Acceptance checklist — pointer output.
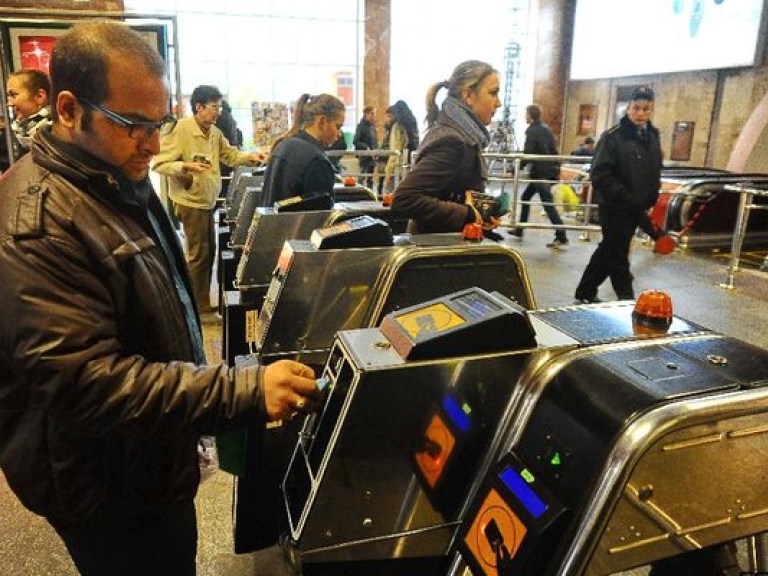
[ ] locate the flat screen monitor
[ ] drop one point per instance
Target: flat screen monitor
(620, 38)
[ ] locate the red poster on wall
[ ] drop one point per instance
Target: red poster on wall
(36, 51)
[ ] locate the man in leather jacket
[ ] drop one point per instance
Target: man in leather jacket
(104, 390)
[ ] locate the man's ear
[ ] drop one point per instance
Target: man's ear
(41, 97)
(67, 109)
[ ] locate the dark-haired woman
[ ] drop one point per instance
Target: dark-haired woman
(298, 164)
(436, 193)
(402, 136)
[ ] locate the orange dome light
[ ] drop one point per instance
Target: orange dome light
(653, 310)
(472, 232)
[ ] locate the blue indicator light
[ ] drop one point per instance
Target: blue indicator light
(523, 492)
(456, 413)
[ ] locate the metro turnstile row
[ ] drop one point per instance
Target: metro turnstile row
(602, 448)
(247, 268)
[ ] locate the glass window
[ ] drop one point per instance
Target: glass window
(267, 50)
(422, 54)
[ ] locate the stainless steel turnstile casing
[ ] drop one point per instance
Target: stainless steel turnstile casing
(267, 233)
(269, 230)
(316, 293)
(661, 440)
(661, 444)
(352, 492)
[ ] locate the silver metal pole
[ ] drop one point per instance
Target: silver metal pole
(742, 216)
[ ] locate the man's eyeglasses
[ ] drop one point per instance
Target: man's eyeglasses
(137, 130)
(218, 107)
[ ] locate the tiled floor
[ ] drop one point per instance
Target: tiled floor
(29, 547)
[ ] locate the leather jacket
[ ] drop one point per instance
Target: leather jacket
(102, 392)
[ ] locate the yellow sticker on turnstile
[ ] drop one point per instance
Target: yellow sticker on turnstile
(251, 318)
(429, 320)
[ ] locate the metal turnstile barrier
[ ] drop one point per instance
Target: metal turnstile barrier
(315, 293)
(267, 233)
(630, 452)
(602, 448)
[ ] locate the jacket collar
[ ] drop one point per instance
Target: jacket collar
(628, 128)
(304, 135)
(89, 173)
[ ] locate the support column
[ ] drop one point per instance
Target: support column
(377, 58)
(553, 36)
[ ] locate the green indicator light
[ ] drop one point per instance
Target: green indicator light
(555, 460)
(466, 408)
(527, 476)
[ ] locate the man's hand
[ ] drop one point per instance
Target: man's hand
(195, 167)
(289, 388)
(258, 157)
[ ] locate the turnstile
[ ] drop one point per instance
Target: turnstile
(315, 293)
(370, 445)
(602, 448)
(267, 233)
(622, 454)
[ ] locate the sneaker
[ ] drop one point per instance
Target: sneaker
(557, 242)
(517, 233)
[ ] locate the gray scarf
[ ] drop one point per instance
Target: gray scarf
(467, 120)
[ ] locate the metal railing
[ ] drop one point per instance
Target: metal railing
(381, 157)
(506, 172)
(746, 205)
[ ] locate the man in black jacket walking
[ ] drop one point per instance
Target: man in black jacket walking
(626, 175)
(539, 140)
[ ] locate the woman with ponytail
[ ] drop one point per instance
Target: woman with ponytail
(436, 193)
(298, 164)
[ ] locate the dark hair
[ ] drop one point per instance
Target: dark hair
(81, 58)
(534, 112)
(589, 140)
(368, 109)
(202, 95)
(307, 109)
(34, 80)
(403, 115)
(643, 93)
(467, 76)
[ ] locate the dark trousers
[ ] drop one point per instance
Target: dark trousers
(366, 171)
(160, 544)
(546, 199)
(611, 258)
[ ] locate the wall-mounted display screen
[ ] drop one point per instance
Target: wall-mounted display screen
(626, 38)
